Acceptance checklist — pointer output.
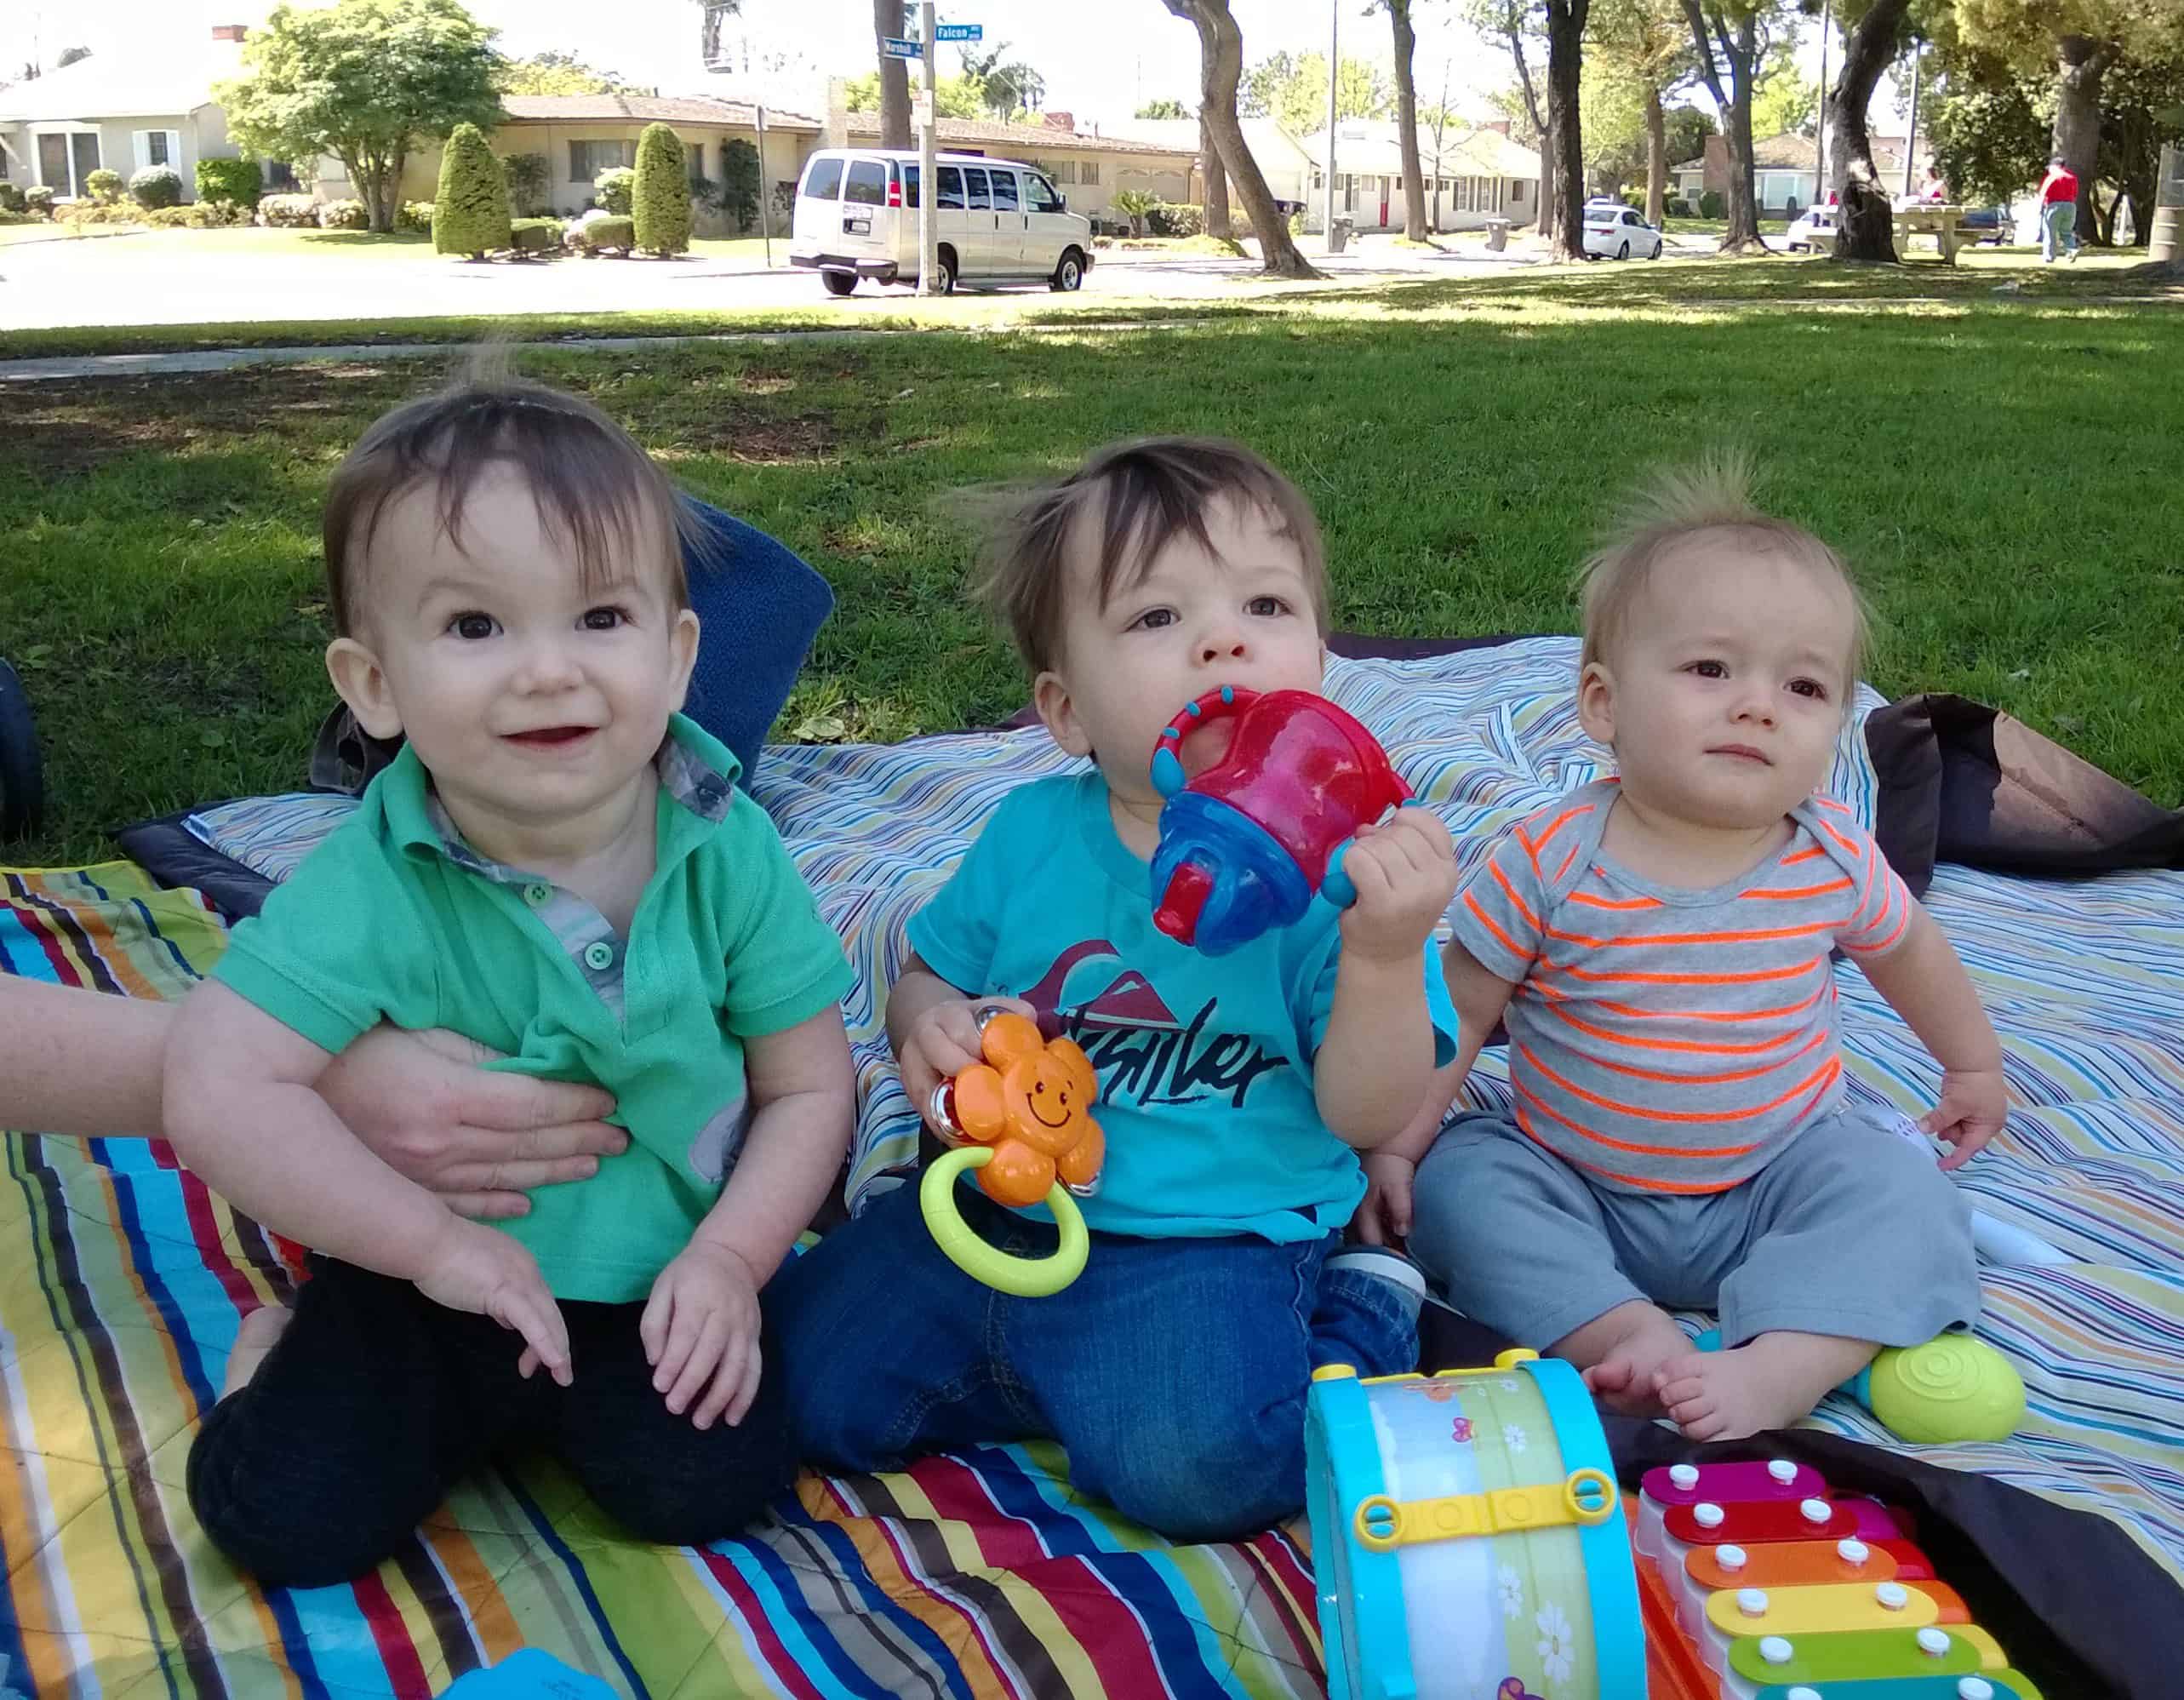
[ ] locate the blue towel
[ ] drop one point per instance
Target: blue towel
(760, 607)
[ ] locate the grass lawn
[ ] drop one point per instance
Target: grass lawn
(1997, 468)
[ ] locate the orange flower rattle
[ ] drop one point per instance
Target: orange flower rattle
(1026, 1113)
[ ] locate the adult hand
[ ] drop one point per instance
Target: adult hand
(425, 1106)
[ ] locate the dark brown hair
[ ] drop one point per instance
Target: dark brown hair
(596, 489)
(1135, 498)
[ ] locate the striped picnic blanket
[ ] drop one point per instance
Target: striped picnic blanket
(978, 1573)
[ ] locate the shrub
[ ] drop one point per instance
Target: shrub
(101, 212)
(344, 215)
(615, 190)
(416, 216)
(534, 236)
(597, 231)
(1136, 205)
(785, 202)
(236, 180)
(11, 197)
(288, 212)
(1171, 218)
(37, 199)
(739, 183)
(526, 176)
(156, 185)
(662, 200)
(106, 186)
(470, 213)
(8, 216)
(1712, 205)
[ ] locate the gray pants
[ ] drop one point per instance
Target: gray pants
(1853, 1231)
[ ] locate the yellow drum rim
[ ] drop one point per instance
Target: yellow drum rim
(1020, 1277)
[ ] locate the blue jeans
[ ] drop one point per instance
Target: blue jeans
(2058, 228)
(1174, 1372)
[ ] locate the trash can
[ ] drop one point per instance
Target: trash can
(1497, 235)
(2165, 230)
(1339, 233)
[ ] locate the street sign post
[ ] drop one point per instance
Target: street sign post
(897, 48)
(960, 32)
(929, 184)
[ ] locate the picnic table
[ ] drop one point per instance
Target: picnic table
(1943, 222)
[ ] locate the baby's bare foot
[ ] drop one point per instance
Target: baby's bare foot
(1627, 1349)
(254, 1339)
(1771, 1383)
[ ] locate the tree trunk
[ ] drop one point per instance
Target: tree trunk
(1513, 33)
(1565, 64)
(895, 76)
(1726, 64)
(1216, 190)
(1868, 226)
(2080, 63)
(1415, 223)
(1656, 156)
(1220, 67)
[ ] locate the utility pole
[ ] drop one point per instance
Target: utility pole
(765, 190)
(1819, 161)
(1334, 75)
(1910, 141)
(929, 180)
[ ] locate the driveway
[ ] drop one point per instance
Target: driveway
(189, 278)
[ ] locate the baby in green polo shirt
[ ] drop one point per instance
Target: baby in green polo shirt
(559, 866)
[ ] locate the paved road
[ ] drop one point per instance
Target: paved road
(188, 277)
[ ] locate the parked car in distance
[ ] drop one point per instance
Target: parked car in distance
(1813, 231)
(1613, 230)
(996, 222)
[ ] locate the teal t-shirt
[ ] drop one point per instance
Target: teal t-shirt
(394, 918)
(1204, 1062)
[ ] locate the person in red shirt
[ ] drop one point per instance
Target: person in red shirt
(2058, 211)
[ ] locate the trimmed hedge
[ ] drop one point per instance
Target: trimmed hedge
(11, 197)
(288, 212)
(238, 180)
(344, 215)
(662, 200)
(470, 213)
(534, 236)
(198, 215)
(106, 185)
(1712, 205)
(38, 198)
(597, 232)
(156, 185)
(1171, 218)
(416, 216)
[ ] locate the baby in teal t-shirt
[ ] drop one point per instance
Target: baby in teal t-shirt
(559, 866)
(1235, 1092)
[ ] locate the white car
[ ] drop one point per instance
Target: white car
(998, 220)
(1617, 231)
(1814, 230)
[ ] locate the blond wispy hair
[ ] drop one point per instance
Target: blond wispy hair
(1712, 499)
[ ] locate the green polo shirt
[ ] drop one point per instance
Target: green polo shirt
(395, 919)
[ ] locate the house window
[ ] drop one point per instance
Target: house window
(1517, 192)
(65, 158)
(1088, 171)
(158, 148)
(697, 160)
(588, 159)
(280, 175)
(1062, 170)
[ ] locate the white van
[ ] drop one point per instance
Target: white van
(856, 216)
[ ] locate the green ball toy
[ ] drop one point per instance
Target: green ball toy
(1952, 1388)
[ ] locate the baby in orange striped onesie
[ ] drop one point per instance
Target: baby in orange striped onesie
(1659, 945)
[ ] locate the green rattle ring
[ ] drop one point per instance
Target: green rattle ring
(1023, 1277)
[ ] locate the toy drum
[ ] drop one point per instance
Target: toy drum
(1467, 1537)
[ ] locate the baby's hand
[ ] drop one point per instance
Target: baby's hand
(1974, 1103)
(944, 1043)
(1384, 1214)
(1404, 870)
(702, 1323)
(483, 1271)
